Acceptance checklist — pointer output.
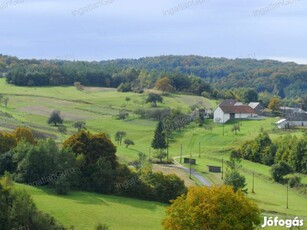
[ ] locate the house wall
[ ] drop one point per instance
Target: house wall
(292, 124)
(244, 115)
(297, 123)
(259, 109)
(219, 114)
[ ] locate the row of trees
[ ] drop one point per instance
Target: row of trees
(276, 78)
(210, 77)
(86, 162)
(288, 152)
(82, 74)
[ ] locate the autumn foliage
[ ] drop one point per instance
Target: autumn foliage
(164, 84)
(24, 133)
(10, 140)
(217, 207)
(92, 146)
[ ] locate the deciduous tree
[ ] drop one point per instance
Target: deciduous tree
(217, 207)
(164, 84)
(274, 104)
(119, 135)
(55, 118)
(128, 142)
(153, 99)
(79, 125)
(24, 134)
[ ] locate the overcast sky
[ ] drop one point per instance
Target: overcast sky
(109, 29)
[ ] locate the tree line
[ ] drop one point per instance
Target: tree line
(214, 77)
(86, 162)
(286, 155)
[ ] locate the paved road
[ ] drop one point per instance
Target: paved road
(198, 176)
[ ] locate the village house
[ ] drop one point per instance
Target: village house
(293, 120)
(231, 109)
(257, 107)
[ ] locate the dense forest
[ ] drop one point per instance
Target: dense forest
(192, 74)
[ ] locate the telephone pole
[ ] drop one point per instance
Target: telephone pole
(180, 153)
(190, 165)
(253, 191)
(222, 168)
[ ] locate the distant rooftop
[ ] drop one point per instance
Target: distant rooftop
(254, 104)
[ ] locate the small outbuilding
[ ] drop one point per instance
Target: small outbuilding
(215, 169)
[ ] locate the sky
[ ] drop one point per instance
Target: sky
(111, 29)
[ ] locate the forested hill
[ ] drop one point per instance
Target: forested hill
(277, 78)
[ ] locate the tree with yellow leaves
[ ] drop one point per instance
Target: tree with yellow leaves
(164, 84)
(25, 134)
(217, 207)
(7, 142)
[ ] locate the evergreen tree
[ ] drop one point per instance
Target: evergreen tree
(159, 141)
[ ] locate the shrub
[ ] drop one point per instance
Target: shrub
(279, 170)
(295, 181)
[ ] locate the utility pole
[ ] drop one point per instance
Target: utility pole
(180, 153)
(287, 195)
(223, 125)
(253, 191)
(149, 154)
(190, 165)
(167, 146)
(222, 168)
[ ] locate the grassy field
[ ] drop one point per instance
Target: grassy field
(99, 107)
(85, 210)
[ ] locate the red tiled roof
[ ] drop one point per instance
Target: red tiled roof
(238, 109)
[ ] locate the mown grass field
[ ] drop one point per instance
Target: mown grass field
(85, 210)
(99, 107)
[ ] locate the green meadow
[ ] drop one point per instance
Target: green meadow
(85, 211)
(98, 107)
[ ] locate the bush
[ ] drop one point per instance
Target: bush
(18, 211)
(122, 115)
(102, 227)
(236, 180)
(6, 163)
(279, 170)
(295, 181)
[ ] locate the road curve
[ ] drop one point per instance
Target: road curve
(197, 175)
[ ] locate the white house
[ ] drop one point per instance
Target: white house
(223, 113)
